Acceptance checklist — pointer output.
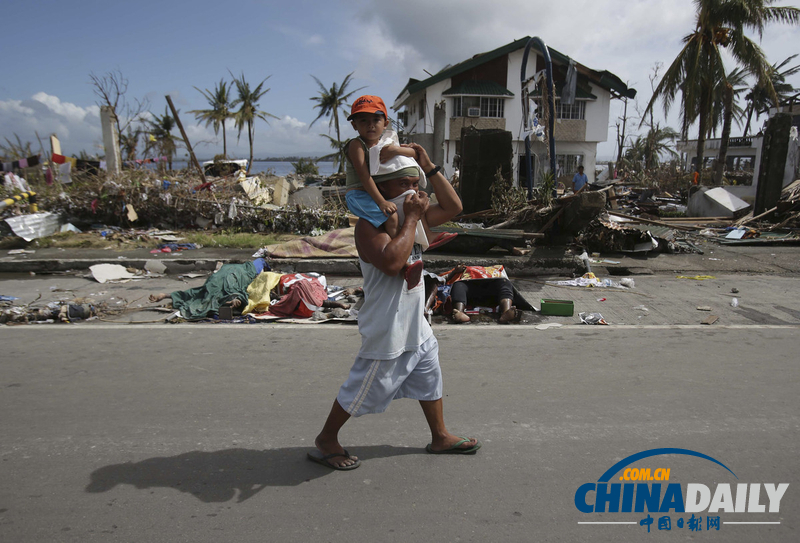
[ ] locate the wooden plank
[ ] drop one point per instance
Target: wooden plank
(552, 220)
(744, 220)
(649, 221)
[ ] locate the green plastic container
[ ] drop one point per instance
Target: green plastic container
(562, 308)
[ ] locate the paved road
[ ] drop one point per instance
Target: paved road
(199, 433)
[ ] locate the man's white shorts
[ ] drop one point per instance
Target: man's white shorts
(373, 384)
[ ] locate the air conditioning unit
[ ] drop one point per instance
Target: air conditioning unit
(474, 112)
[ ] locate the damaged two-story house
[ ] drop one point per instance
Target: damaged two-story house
(484, 92)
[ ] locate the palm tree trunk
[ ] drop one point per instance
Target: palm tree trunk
(224, 141)
(750, 108)
(339, 139)
(727, 115)
(250, 137)
(701, 136)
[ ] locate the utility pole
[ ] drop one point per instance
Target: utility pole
(185, 138)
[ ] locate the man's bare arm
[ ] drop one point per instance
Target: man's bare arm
(449, 204)
(379, 249)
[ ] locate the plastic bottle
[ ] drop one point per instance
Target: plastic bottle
(735, 302)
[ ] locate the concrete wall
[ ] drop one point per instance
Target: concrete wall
(711, 150)
(597, 112)
(457, 123)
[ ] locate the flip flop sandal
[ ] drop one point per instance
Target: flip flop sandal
(456, 448)
(317, 456)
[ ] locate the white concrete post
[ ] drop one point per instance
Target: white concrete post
(110, 139)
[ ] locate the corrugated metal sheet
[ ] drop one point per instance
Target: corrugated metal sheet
(35, 225)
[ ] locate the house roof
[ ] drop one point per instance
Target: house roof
(603, 78)
(580, 92)
(478, 88)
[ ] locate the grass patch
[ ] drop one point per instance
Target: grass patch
(126, 241)
(234, 240)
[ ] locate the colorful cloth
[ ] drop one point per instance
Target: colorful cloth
(21, 164)
(482, 272)
(228, 283)
(258, 293)
(335, 244)
(302, 297)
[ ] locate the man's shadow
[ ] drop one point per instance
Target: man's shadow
(216, 476)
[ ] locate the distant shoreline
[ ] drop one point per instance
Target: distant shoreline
(276, 159)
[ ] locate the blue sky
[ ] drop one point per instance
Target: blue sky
(170, 47)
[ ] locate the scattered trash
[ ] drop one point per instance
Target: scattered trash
(4, 298)
(735, 290)
(601, 299)
(21, 252)
(734, 302)
(627, 282)
(548, 325)
(703, 308)
(132, 216)
(711, 319)
(736, 234)
(105, 273)
(155, 266)
(641, 308)
(69, 227)
(592, 318)
(696, 277)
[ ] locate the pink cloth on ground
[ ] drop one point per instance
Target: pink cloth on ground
(301, 300)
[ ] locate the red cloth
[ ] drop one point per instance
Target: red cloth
(301, 299)
(58, 159)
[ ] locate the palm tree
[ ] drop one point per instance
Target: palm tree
(646, 151)
(657, 142)
(161, 137)
(758, 99)
(220, 111)
(128, 142)
(698, 68)
(730, 110)
(337, 155)
(329, 102)
(248, 111)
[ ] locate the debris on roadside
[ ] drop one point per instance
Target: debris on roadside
(592, 318)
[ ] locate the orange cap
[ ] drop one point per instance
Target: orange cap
(368, 104)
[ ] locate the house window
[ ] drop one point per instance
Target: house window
(577, 110)
(457, 107)
(568, 164)
(492, 107)
(422, 109)
(566, 111)
(488, 107)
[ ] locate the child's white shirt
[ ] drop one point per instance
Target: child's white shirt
(395, 163)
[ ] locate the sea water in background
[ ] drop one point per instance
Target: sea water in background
(259, 166)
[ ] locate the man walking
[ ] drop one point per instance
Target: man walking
(399, 355)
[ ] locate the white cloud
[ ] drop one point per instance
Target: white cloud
(77, 127)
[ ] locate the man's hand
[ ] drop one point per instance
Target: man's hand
(416, 205)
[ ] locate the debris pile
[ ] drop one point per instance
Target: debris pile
(182, 200)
